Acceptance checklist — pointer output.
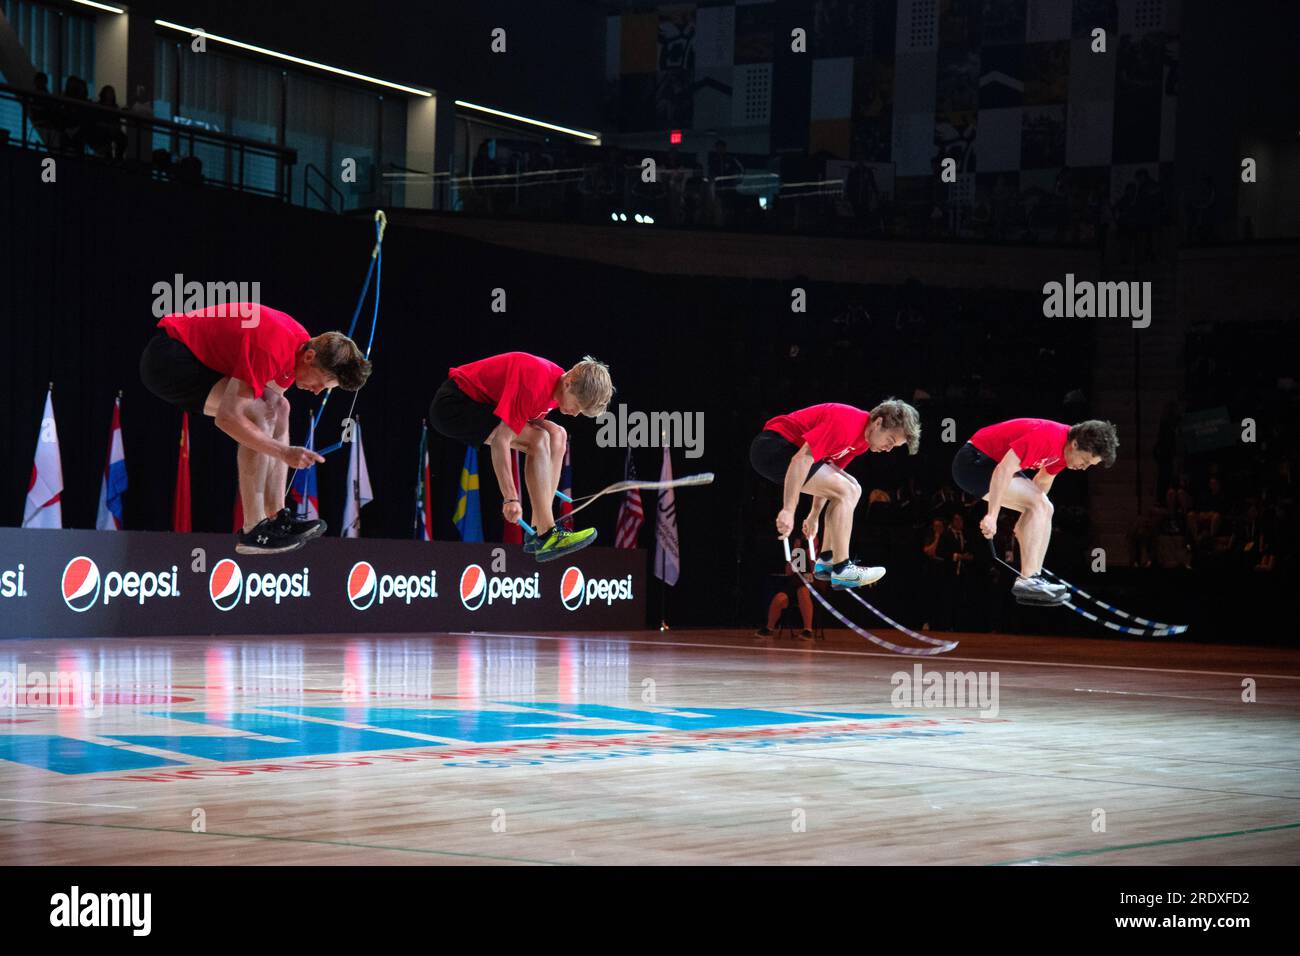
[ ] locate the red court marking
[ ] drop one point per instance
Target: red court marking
(131, 697)
(328, 690)
(17, 720)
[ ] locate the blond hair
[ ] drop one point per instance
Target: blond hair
(893, 414)
(591, 385)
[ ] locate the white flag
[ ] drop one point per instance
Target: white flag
(45, 489)
(668, 565)
(359, 493)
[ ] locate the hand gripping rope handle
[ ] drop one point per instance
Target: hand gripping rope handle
(940, 648)
(1151, 629)
(376, 271)
(704, 478)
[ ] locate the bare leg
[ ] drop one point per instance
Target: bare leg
(1034, 528)
(559, 444)
(842, 493)
(253, 469)
(779, 603)
(277, 472)
(1034, 531)
(539, 476)
(806, 609)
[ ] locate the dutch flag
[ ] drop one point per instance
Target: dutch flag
(114, 484)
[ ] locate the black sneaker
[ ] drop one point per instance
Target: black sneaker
(306, 528)
(267, 537)
(764, 632)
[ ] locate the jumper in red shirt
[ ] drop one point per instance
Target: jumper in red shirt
(833, 432)
(258, 349)
(1037, 442)
(519, 386)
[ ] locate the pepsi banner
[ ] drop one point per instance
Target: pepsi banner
(141, 583)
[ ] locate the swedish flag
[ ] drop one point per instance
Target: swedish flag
(467, 519)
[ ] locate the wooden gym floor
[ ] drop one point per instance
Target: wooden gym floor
(688, 747)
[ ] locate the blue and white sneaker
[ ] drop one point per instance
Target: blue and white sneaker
(854, 576)
(822, 570)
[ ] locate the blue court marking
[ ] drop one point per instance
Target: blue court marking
(68, 755)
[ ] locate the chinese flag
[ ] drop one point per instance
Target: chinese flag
(181, 500)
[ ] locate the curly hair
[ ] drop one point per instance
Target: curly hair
(892, 413)
(1096, 438)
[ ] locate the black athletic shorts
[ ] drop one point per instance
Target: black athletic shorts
(972, 470)
(172, 372)
(770, 455)
(456, 415)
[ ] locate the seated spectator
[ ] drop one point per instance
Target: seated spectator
(139, 136)
(791, 589)
(104, 134)
(74, 120)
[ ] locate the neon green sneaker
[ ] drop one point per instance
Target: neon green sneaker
(560, 542)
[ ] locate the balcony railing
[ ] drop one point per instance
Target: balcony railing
(166, 150)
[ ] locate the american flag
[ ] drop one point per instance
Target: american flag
(630, 514)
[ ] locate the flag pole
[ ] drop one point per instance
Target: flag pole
(663, 585)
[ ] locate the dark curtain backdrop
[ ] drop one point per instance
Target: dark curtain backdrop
(79, 258)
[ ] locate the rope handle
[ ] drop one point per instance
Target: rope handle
(382, 221)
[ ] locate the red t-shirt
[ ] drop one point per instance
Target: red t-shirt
(519, 386)
(833, 432)
(1037, 442)
(262, 352)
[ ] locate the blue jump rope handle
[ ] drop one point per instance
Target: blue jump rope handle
(562, 496)
(334, 447)
(526, 526)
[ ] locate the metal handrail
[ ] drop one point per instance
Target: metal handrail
(144, 125)
(309, 190)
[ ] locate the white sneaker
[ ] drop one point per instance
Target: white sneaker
(1038, 590)
(854, 576)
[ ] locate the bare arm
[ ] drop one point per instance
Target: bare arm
(500, 441)
(1001, 481)
(796, 475)
(232, 418)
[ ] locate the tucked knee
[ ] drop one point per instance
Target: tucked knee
(537, 440)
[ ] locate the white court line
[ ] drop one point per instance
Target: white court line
(61, 803)
(812, 650)
(1134, 693)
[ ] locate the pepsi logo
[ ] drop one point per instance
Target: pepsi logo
(573, 589)
(473, 587)
(81, 584)
(362, 585)
(577, 590)
(225, 584)
(478, 587)
(367, 586)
